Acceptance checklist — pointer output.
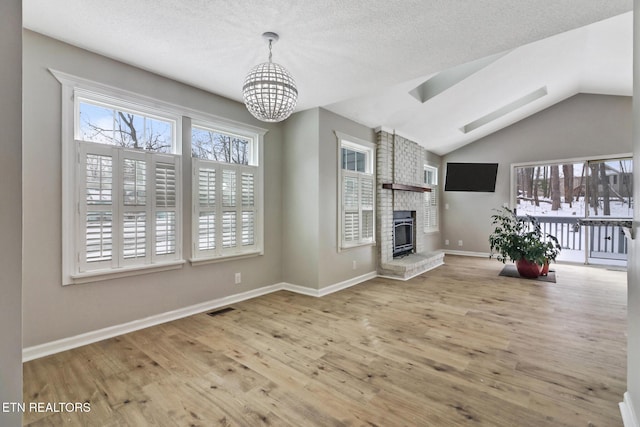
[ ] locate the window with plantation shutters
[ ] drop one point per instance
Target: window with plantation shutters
(127, 207)
(121, 175)
(356, 192)
(122, 184)
(225, 185)
(431, 199)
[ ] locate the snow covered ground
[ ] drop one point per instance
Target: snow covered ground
(618, 209)
(577, 254)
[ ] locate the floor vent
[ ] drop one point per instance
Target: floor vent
(221, 311)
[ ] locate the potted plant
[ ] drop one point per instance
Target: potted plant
(521, 240)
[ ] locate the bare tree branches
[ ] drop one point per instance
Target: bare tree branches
(123, 129)
(210, 145)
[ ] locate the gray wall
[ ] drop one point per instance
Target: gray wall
(10, 207)
(337, 266)
(300, 205)
(581, 126)
(52, 311)
(300, 197)
(633, 273)
(310, 251)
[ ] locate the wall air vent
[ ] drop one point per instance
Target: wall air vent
(504, 110)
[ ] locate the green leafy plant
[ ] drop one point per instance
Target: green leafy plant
(516, 238)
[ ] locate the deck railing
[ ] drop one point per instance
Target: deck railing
(605, 241)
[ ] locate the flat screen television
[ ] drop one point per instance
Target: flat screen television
(479, 177)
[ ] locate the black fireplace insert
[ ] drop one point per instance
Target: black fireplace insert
(403, 235)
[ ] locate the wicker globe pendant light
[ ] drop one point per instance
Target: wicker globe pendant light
(269, 91)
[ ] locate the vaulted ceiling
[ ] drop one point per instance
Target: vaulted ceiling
(441, 73)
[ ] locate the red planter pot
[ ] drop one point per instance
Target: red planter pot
(545, 269)
(528, 269)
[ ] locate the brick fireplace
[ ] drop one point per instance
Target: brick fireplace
(400, 183)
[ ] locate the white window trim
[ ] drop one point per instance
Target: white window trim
(435, 188)
(214, 260)
(107, 274)
(117, 96)
(73, 86)
(256, 136)
(348, 141)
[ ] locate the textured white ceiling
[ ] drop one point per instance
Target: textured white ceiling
(591, 59)
(337, 50)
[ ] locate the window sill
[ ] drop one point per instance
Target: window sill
(223, 258)
(355, 246)
(117, 273)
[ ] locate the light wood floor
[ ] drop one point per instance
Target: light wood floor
(456, 346)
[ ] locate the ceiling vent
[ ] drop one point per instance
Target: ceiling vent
(504, 110)
(450, 77)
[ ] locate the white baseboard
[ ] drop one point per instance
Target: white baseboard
(347, 283)
(629, 418)
(46, 349)
(331, 288)
(467, 253)
(303, 290)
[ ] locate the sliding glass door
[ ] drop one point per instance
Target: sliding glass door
(610, 196)
(559, 194)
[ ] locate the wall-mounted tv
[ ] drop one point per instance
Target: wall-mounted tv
(479, 177)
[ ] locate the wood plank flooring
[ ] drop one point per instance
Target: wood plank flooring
(456, 346)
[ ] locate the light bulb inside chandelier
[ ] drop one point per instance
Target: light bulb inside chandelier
(269, 91)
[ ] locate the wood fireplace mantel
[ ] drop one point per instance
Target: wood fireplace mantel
(404, 187)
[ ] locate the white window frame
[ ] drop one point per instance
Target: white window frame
(255, 136)
(73, 269)
(369, 149)
(431, 200)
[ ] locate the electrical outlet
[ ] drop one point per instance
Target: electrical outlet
(446, 242)
(459, 242)
(238, 278)
(446, 205)
(355, 264)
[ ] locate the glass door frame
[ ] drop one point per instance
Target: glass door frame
(585, 160)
